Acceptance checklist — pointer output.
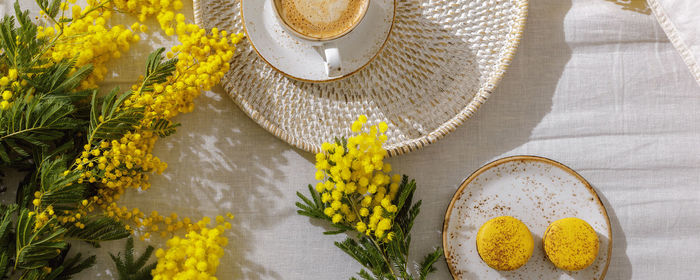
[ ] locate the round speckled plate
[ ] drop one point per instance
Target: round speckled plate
(535, 190)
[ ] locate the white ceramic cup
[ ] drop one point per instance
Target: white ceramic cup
(326, 46)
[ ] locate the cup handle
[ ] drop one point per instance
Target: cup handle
(333, 62)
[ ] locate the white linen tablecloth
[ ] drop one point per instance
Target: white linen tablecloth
(594, 85)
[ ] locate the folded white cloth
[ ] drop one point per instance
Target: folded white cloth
(680, 20)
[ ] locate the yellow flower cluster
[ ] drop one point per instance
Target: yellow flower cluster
(355, 184)
(43, 216)
(145, 9)
(194, 257)
(202, 63)
(153, 223)
(65, 217)
(8, 85)
(115, 166)
(126, 163)
(88, 39)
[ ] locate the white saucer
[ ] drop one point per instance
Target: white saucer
(300, 60)
(535, 190)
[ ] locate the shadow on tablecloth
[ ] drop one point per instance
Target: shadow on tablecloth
(620, 265)
(218, 163)
(503, 124)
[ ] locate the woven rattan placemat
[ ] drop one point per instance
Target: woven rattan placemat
(442, 60)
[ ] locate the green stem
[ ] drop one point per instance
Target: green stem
(101, 5)
(20, 132)
(376, 244)
(46, 47)
(139, 91)
(386, 260)
(53, 41)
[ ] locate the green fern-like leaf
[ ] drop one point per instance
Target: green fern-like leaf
(426, 266)
(157, 68)
(5, 266)
(61, 267)
(22, 49)
(58, 189)
(70, 266)
(164, 127)
(22, 16)
(109, 121)
(34, 274)
(97, 229)
(6, 234)
(36, 246)
(130, 269)
(311, 207)
(60, 79)
(51, 8)
(8, 33)
(50, 119)
(33, 123)
(381, 259)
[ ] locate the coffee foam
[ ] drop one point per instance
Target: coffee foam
(321, 18)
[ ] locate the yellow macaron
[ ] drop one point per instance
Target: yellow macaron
(504, 243)
(571, 244)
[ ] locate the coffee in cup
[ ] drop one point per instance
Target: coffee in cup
(321, 19)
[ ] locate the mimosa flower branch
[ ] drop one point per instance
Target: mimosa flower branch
(82, 146)
(357, 196)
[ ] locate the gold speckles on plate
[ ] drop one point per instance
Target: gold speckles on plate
(536, 191)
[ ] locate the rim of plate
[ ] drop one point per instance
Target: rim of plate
(500, 161)
(381, 48)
